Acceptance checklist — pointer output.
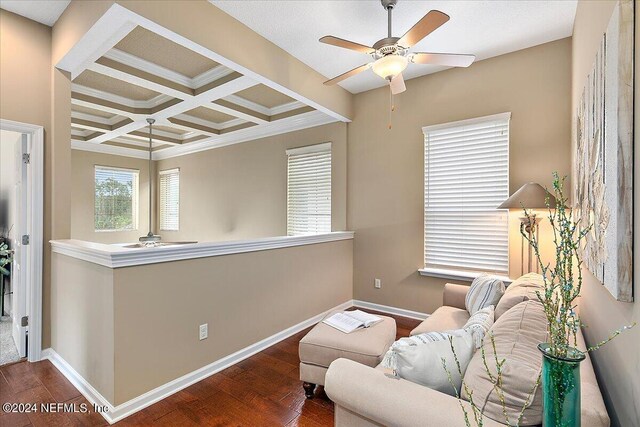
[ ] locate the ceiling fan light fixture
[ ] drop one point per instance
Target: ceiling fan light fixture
(390, 66)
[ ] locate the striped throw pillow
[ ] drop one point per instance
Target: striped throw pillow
(484, 291)
(479, 324)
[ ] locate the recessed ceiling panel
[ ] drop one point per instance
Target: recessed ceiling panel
(209, 115)
(108, 84)
(154, 48)
(92, 111)
(265, 96)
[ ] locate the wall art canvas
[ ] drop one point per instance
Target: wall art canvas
(604, 158)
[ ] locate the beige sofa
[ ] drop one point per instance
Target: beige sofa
(366, 396)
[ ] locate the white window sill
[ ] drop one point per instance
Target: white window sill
(463, 276)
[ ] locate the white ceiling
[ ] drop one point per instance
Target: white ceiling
(45, 12)
(484, 28)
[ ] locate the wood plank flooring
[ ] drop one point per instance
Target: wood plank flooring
(263, 390)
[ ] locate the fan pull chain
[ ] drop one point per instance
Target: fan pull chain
(391, 106)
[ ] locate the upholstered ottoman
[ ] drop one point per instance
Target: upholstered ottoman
(324, 344)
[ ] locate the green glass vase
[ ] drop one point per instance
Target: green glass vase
(560, 387)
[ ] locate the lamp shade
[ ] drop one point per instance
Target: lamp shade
(529, 196)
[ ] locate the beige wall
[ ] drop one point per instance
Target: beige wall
(25, 96)
(244, 298)
(385, 185)
(617, 364)
(82, 330)
(240, 191)
(82, 203)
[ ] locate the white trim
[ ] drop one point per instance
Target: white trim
(109, 149)
(307, 149)
(391, 310)
(464, 276)
(284, 108)
(36, 191)
(235, 99)
(499, 116)
(289, 124)
(169, 171)
(116, 256)
(210, 76)
(117, 99)
(118, 21)
(136, 404)
(149, 67)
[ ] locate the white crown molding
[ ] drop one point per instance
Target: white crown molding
(108, 149)
(92, 118)
(289, 124)
(148, 67)
(207, 123)
(136, 404)
(116, 256)
(284, 108)
(235, 99)
(209, 76)
(95, 93)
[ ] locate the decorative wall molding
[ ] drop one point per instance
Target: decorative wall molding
(115, 256)
(136, 404)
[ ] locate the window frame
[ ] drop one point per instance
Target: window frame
(162, 173)
(454, 272)
(135, 199)
(325, 147)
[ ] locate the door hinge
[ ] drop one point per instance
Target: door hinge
(25, 239)
(24, 321)
(26, 158)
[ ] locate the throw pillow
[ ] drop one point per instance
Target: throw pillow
(479, 324)
(522, 289)
(516, 335)
(389, 360)
(485, 290)
(419, 359)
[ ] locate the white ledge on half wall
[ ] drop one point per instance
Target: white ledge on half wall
(462, 276)
(115, 256)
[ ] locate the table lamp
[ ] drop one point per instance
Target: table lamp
(528, 197)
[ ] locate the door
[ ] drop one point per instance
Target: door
(19, 269)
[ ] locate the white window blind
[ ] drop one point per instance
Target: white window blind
(309, 190)
(466, 176)
(116, 199)
(170, 200)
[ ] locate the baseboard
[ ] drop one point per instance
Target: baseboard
(123, 410)
(391, 310)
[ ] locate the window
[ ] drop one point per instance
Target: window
(116, 199)
(170, 200)
(466, 176)
(309, 190)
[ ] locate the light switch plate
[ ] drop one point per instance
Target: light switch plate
(377, 283)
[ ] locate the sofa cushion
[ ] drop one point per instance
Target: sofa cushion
(324, 344)
(444, 318)
(522, 289)
(479, 324)
(485, 290)
(516, 334)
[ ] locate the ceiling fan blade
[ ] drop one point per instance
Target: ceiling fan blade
(397, 84)
(448, 59)
(346, 75)
(428, 24)
(346, 44)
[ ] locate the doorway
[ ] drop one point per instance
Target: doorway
(21, 195)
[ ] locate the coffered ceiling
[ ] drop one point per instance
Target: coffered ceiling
(192, 98)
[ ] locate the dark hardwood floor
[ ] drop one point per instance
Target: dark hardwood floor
(263, 390)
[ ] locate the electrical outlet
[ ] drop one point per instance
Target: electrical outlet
(204, 331)
(377, 283)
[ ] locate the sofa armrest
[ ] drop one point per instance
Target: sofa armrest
(454, 295)
(375, 396)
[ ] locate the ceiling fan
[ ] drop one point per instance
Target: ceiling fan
(391, 54)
